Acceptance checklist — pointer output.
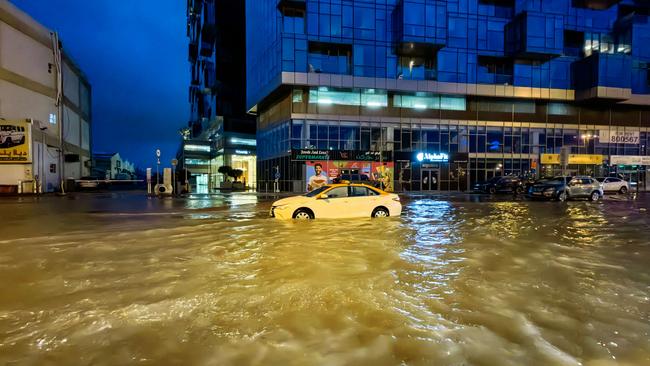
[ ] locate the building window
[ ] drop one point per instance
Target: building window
(426, 101)
(416, 68)
(495, 70)
(368, 98)
(573, 43)
(331, 58)
(293, 21)
(52, 118)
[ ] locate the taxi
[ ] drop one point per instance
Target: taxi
(342, 200)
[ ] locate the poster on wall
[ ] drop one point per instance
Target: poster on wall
(322, 172)
(15, 142)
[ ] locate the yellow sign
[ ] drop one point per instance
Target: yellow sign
(576, 159)
(551, 159)
(15, 142)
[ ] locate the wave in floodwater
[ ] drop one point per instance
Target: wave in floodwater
(448, 283)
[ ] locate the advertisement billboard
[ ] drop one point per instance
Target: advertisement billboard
(15, 142)
(321, 172)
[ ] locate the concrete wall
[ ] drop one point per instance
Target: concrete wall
(71, 127)
(26, 57)
(70, 84)
(17, 102)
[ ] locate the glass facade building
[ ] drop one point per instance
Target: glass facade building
(217, 95)
(435, 95)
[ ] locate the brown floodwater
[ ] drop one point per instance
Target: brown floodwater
(109, 280)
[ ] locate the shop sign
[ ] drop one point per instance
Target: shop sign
(432, 157)
(15, 142)
(309, 154)
(346, 155)
(577, 159)
(629, 160)
(619, 137)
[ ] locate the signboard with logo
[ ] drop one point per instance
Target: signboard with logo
(629, 160)
(619, 137)
(319, 173)
(351, 155)
(577, 159)
(15, 142)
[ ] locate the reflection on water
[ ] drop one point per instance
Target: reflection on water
(459, 283)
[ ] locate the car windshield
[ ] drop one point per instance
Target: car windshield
(494, 179)
(316, 191)
(600, 179)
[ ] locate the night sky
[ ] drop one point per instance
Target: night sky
(134, 54)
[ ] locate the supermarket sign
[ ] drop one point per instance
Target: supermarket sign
(619, 137)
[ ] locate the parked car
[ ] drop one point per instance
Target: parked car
(500, 184)
(613, 184)
(564, 188)
(338, 201)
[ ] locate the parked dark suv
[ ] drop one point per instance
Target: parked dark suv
(564, 188)
(500, 184)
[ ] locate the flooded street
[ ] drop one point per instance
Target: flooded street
(120, 279)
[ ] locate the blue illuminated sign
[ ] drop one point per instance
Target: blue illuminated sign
(432, 157)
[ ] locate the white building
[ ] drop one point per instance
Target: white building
(112, 166)
(41, 86)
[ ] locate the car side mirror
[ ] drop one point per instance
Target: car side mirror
(323, 196)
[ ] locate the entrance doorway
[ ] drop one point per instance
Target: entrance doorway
(430, 180)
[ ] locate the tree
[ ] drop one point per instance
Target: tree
(236, 173)
(226, 171)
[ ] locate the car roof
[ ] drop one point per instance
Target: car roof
(354, 185)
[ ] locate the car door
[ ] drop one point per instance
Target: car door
(334, 206)
(360, 201)
(574, 187)
(608, 184)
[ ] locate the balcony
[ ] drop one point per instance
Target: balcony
(603, 76)
(536, 36)
(413, 25)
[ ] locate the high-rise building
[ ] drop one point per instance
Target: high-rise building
(45, 108)
(219, 121)
(438, 94)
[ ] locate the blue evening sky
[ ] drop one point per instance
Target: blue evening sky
(134, 54)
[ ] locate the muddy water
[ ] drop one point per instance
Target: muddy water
(452, 282)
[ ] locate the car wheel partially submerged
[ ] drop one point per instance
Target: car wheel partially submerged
(380, 212)
(595, 196)
(623, 190)
(562, 196)
(302, 214)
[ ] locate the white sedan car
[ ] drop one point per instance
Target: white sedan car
(612, 184)
(338, 201)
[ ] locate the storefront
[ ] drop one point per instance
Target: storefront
(432, 171)
(320, 167)
(576, 164)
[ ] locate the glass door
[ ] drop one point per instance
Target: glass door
(430, 180)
